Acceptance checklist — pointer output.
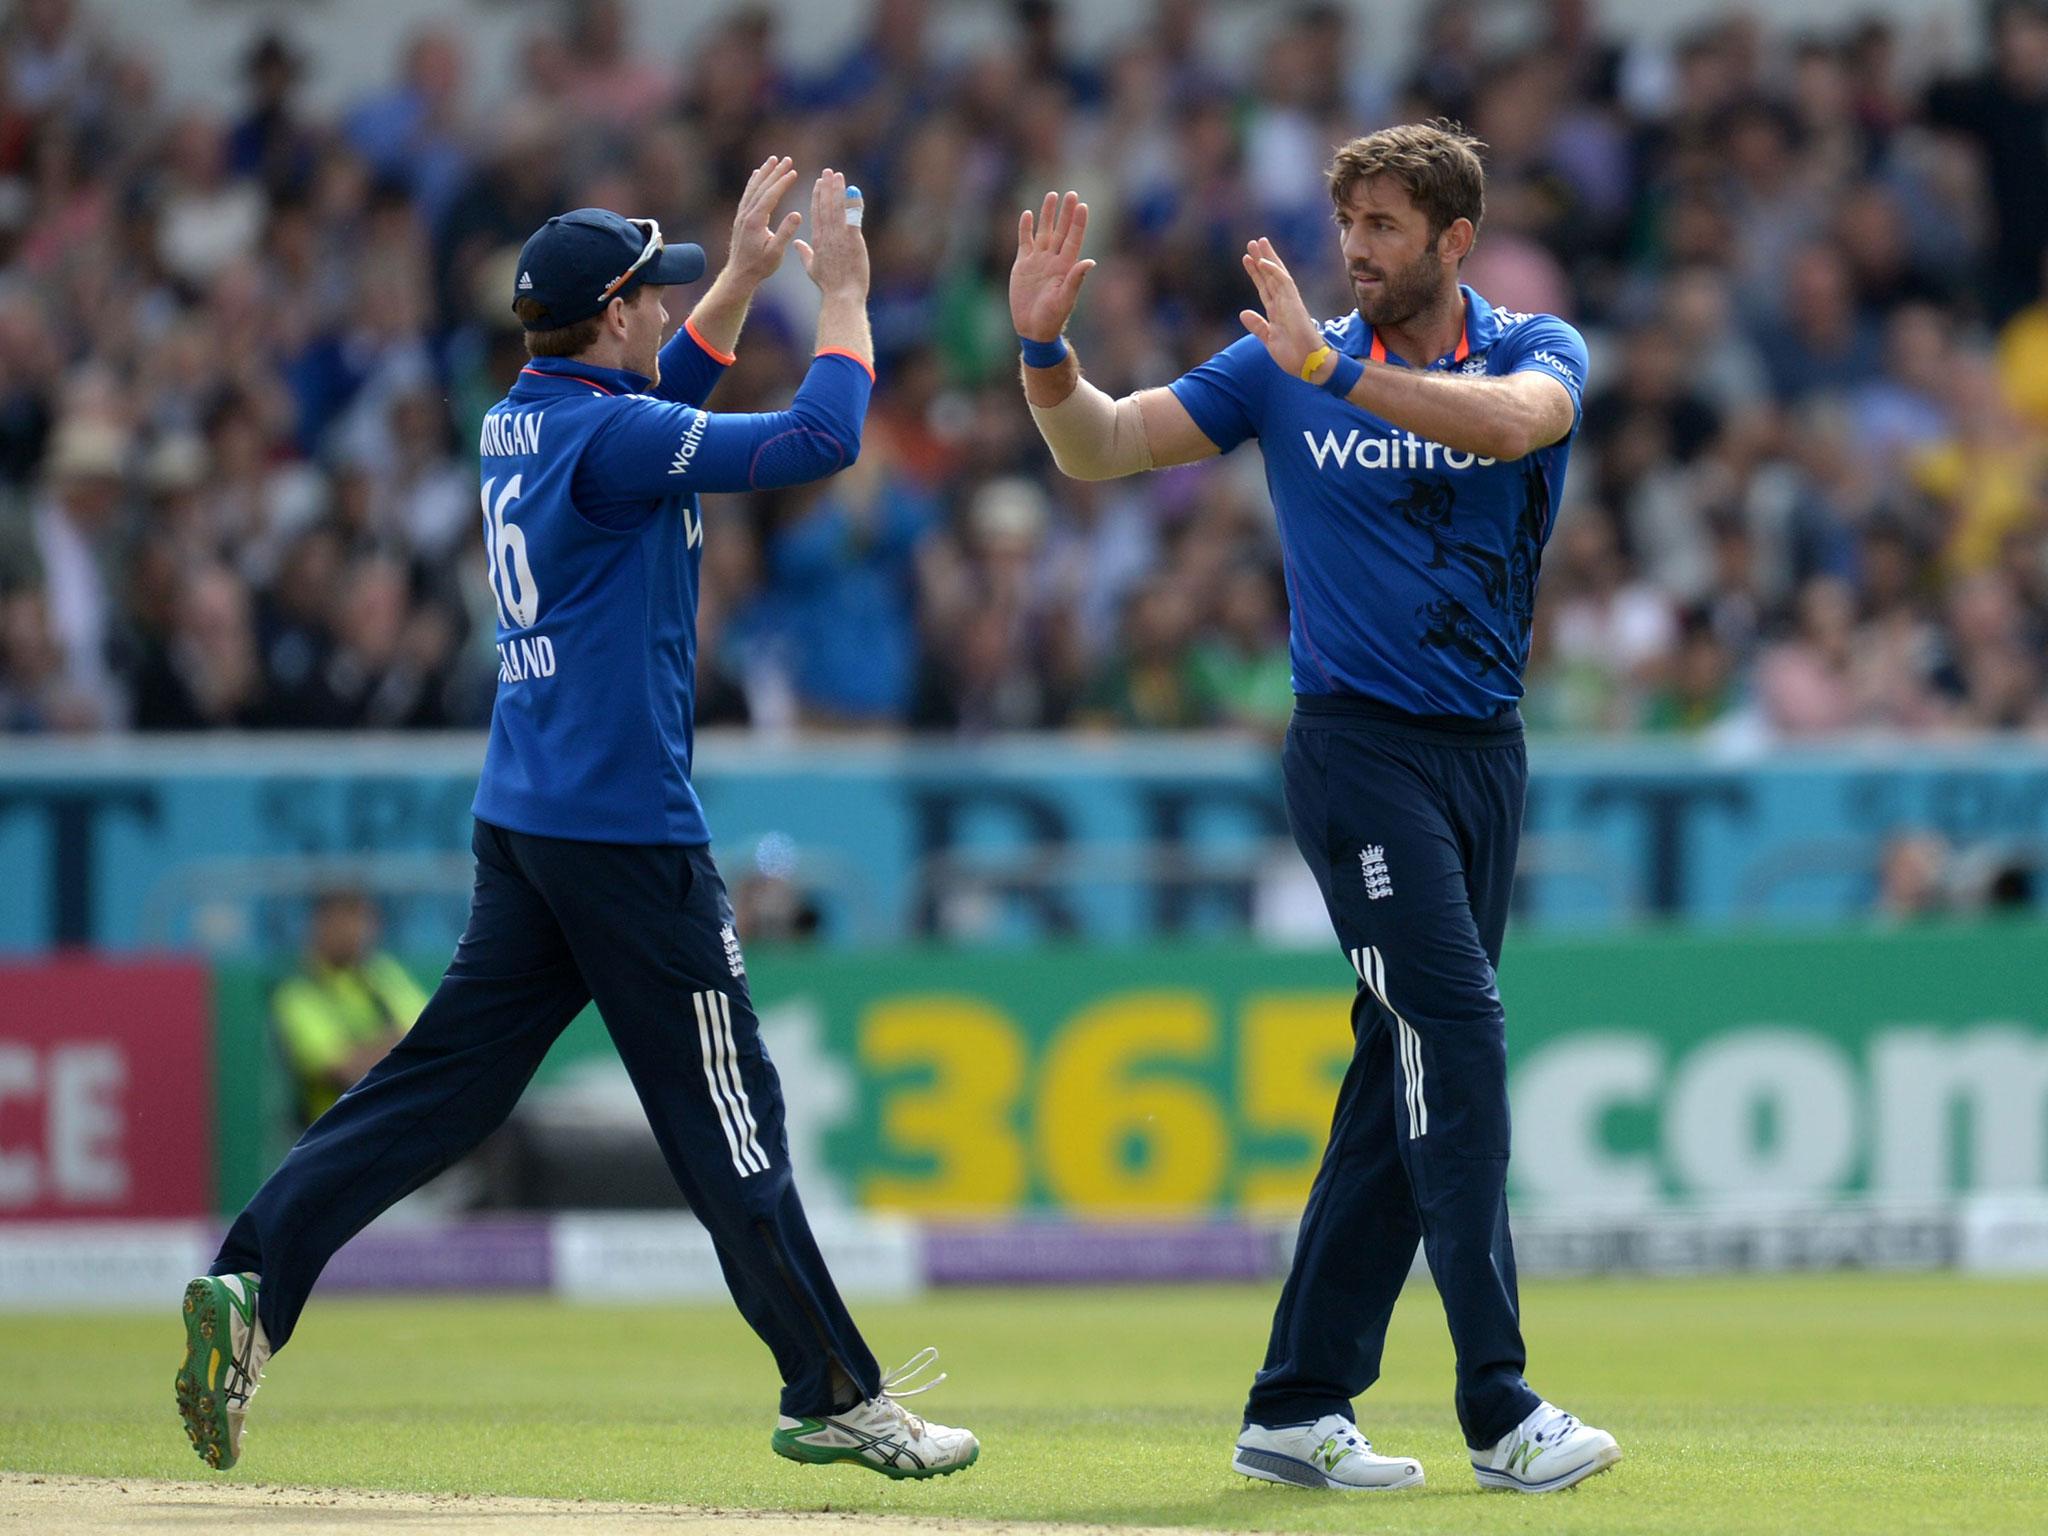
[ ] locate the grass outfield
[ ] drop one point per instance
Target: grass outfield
(1806, 1404)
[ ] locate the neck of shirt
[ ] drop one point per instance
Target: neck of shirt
(1379, 352)
(612, 381)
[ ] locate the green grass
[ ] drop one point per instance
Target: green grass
(1801, 1405)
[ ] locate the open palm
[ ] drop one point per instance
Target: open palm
(1287, 328)
(1046, 279)
(757, 242)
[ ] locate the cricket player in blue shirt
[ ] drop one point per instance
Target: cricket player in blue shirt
(594, 880)
(1415, 451)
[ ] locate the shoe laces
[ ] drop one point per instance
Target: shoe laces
(1555, 1428)
(1347, 1435)
(245, 1370)
(897, 1385)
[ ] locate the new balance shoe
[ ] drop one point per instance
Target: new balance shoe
(1547, 1451)
(881, 1433)
(1329, 1453)
(225, 1352)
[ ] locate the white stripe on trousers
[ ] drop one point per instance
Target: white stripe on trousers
(738, 1087)
(1372, 970)
(722, 1072)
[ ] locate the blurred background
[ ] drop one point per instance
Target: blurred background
(991, 755)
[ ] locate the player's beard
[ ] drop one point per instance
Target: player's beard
(1402, 294)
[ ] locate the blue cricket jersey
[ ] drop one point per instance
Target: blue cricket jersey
(1411, 570)
(594, 536)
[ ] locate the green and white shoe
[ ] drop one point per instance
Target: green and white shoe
(1547, 1451)
(225, 1352)
(1329, 1453)
(881, 1433)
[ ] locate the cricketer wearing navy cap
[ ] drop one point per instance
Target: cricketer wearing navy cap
(576, 263)
(594, 879)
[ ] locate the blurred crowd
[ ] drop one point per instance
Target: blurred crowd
(244, 351)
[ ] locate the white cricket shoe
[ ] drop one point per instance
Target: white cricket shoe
(881, 1433)
(1329, 1453)
(1547, 1451)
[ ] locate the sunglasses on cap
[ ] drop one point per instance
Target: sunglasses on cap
(648, 252)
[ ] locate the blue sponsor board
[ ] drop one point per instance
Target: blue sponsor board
(215, 843)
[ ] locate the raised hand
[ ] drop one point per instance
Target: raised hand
(838, 263)
(1288, 330)
(757, 247)
(1046, 278)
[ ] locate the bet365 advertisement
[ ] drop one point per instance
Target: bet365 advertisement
(1645, 1072)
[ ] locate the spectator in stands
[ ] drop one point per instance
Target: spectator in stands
(1819, 342)
(1699, 688)
(1898, 647)
(1992, 675)
(29, 368)
(770, 902)
(1721, 362)
(1777, 199)
(206, 671)
(1807, 682)
(1906, 410)
(272, 142)
(609, 80)
(74, 531)
(1782, 240)
(1612, 635)
(1241, 667)
(841, 586)
(413, 134)
(890, 70)
(1912, 878)
(206, 218)
(2023, 358)
(346, 1006)
(386, 669)
(55, 64)
(294, 630)
(1149, 683)
(1987, 473)
(2003, 112)
(34, 696)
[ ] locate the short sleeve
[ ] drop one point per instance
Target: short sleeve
(1226, 396)
(1545, 344)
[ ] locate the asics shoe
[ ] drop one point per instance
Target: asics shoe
(881, 1433)
(225, 1352)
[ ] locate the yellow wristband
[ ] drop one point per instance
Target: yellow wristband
(1315, 361)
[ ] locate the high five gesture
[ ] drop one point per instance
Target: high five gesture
(1046, 279)
(1288, 330)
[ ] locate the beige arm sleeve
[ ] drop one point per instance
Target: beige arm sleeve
(1093, 437)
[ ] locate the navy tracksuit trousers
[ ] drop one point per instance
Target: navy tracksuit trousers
(647, 932)
(1411, 827)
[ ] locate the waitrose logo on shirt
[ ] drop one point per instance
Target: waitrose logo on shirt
(1357, 449)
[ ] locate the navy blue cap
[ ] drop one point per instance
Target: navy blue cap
(576, 263)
